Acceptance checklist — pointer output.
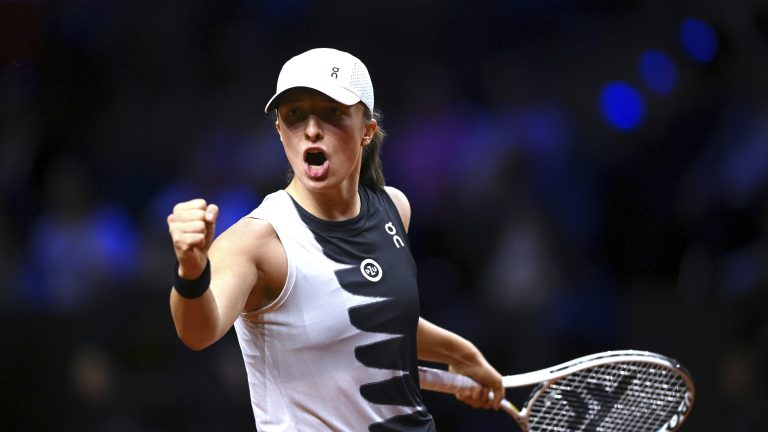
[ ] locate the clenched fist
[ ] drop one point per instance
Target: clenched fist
(192, 226)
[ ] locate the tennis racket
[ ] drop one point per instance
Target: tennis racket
(629, 391)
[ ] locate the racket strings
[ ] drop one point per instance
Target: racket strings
(630, 396)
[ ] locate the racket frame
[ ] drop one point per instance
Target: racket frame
(449, 382)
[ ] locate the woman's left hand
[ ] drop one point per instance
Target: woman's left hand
(482, 372)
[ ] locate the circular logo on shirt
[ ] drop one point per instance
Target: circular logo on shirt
(371, 270)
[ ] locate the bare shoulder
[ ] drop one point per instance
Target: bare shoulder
(242, 236)
(250, 245)
(251, 252)
(402, 204)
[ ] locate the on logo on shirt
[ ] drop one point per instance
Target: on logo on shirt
(391, 230)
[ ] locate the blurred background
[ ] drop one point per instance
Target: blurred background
(584, 176)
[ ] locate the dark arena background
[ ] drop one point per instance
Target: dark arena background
(584, 176)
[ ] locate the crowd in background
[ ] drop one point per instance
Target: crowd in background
(541, 230)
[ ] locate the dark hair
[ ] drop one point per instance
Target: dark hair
(371, 172)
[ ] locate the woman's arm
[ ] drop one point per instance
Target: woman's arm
(235, 258)
(436, 344)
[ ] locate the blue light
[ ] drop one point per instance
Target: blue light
(622, 105)
(659, 71)
(699, 40)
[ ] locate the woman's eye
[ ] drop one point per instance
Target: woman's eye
(334, 111)
(293, 112)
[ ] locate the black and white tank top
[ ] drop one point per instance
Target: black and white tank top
(336, 351)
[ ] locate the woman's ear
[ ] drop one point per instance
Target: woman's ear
(370, 129)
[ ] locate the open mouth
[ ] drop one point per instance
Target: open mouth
(316, 167)
(315, 158)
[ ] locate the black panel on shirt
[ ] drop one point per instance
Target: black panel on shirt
(351, 242)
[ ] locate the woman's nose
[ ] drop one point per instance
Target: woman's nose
(313, 130)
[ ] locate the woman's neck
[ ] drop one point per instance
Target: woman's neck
(337, 205)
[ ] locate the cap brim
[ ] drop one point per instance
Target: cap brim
(342, 95)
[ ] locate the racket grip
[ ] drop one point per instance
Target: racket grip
(444, 381)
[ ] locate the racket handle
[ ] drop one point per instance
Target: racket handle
(448, 382)
(445, 381)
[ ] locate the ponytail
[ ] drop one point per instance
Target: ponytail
(371, 172)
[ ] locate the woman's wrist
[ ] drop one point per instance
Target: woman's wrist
(192, 289)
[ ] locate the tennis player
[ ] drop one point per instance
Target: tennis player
(319, 281)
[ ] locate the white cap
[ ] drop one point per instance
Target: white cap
(338, 74)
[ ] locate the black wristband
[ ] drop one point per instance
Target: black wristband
(192, 289)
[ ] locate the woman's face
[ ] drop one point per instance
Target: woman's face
(323, 138)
